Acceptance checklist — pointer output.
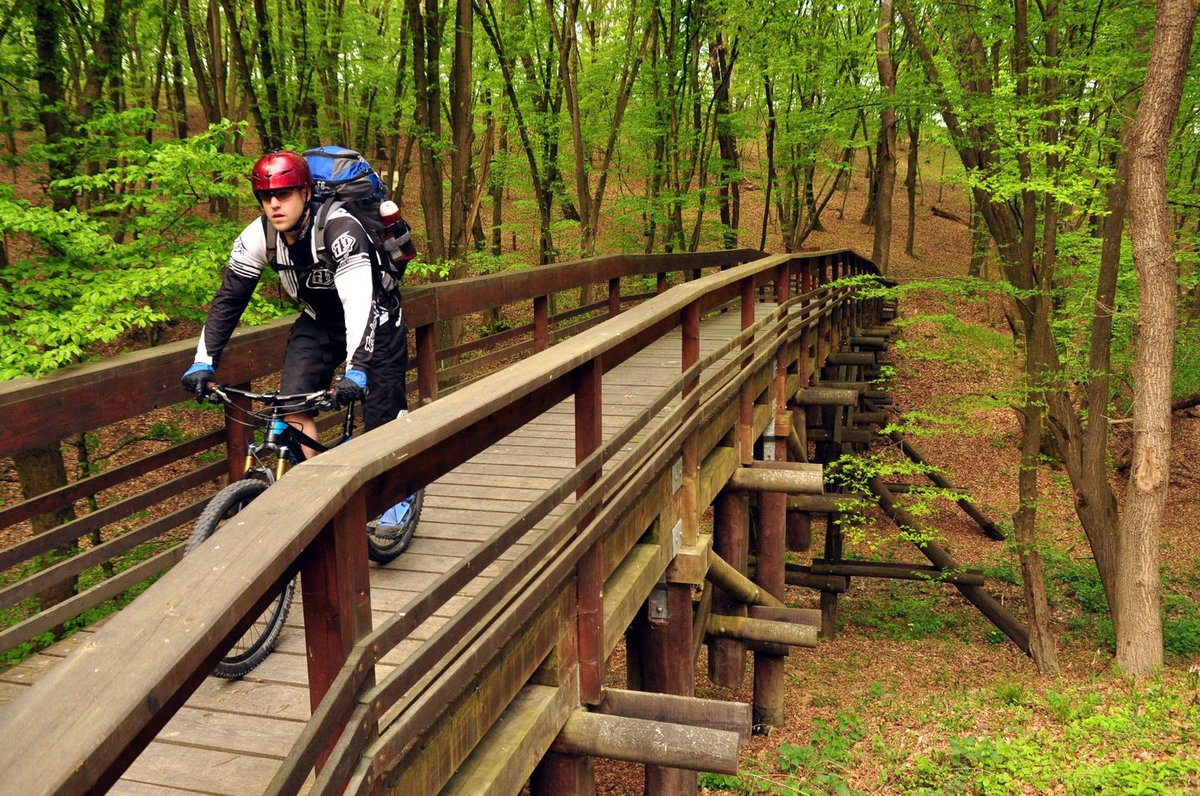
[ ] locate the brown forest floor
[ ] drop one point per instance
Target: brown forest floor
(863, 666)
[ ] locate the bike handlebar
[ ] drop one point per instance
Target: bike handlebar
(322, 399)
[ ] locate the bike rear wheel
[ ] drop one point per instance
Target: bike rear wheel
(382, 548)
(260, 638)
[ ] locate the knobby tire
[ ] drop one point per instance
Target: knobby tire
(260, 638)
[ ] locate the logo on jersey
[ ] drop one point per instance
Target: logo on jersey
(319, 279)
(342, 246)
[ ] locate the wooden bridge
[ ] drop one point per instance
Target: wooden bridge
(563, 521)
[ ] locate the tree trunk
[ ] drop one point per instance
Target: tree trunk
(47, 31)
(273, 114)
(1139, 633)
(41, 470)
(910, 184)
(242, 70)
(885, 165)
(427, 47)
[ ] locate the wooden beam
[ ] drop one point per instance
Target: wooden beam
(797, 616)
(762, 630)
(827, 396)
(737, 584)
(823, 504)
(866, 358)
(714, 714)
(791, 478)
(651, 742)
(896, 571)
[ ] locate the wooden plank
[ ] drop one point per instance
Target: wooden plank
(502, 762)
(464, 723)
(228, 732)
(203, 770)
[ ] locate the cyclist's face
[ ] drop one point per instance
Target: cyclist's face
(284, 207)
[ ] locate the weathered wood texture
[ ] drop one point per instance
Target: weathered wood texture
(501, 538)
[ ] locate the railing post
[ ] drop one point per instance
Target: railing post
(590, 570)
(336, 586)
(614, 296)
(541, 323)
(427, 383)
(665, 644)
(573, 774)
(660, 282)
(745, 435)
(237, 433)
(772, 515)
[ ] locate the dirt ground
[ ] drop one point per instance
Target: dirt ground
(981, 457)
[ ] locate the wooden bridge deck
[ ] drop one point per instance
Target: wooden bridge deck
(231, 736)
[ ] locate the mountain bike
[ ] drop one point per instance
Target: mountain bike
(281, 448)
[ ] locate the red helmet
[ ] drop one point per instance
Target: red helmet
(282, 169)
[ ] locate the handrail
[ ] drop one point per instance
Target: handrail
(42, 412)
(120, 699)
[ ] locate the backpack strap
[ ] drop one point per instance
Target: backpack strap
(318, 231)
(272, 237)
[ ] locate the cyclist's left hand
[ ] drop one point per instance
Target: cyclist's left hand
(349, 388)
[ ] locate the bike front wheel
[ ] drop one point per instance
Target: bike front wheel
(260, 638)
(389, 535)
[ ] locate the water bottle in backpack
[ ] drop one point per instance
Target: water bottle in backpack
(396, 236)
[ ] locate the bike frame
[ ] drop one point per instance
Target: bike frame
(280, 439)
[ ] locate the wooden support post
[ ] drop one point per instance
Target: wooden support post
(660, 282)
(654, 743)
(336, 586)
(833, 552)
(768, 668)
(799, 530)
(427, 382)
(731, 536)
(664, 658)
(614, 296)
(541, 323)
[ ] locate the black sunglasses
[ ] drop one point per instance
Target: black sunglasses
(282, 194)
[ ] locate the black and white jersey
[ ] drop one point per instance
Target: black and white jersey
(338, 294)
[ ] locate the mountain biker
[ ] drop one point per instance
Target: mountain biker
(349, 310)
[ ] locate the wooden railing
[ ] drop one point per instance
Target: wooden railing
(42, 413)
(108, 699)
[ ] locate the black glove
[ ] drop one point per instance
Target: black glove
(349, 388)
(197, 379)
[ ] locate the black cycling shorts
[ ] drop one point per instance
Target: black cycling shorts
(314, 351)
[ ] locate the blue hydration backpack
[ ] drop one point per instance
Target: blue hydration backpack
(343, 178)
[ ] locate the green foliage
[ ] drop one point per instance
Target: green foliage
(852, 474)
(145, 252)
(1079, 739)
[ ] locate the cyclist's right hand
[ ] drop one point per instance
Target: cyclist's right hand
(197, 379)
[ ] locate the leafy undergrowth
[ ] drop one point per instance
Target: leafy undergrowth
(1100, 736)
